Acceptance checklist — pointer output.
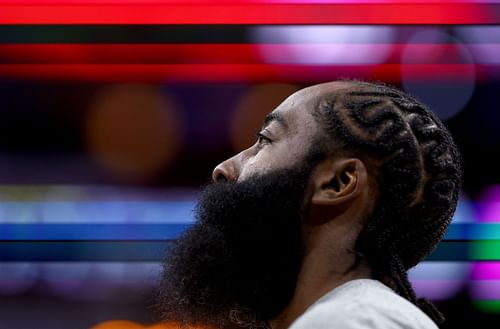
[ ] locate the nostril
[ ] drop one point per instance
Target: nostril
(219, 175)
(221, 178)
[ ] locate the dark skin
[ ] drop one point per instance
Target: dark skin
(340, 193)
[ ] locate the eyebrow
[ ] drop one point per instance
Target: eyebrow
(274, 117)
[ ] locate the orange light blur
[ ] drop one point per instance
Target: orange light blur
(132, 131)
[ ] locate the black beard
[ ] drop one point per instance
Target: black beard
(237, 266)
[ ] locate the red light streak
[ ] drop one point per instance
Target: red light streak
(165, 73)
(38, 12)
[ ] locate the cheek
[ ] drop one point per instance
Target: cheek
(274, 157)
(257, 164)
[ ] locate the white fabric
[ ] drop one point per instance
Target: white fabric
(363, 304)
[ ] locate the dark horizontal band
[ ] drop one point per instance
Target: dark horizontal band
(224, 34)
(133, 251)
(123, 33)
(60, 251)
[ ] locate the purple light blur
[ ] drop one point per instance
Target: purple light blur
(483, 42)
(488, 205)
(485, 281)
(486, 271)
(324, 44)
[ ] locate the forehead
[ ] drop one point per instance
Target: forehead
(297, 110)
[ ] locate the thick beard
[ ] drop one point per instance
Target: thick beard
(237, 266)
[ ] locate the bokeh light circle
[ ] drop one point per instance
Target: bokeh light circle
(445, 97)
(133, 130)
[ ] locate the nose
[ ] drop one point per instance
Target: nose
(226, 171)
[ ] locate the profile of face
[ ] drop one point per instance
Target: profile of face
(238, 265)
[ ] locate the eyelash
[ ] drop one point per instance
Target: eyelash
(262, 138)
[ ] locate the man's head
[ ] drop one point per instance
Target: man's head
(362, 167)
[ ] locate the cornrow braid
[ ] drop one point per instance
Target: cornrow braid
(417, 170)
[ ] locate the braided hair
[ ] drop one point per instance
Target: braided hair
(418, 172)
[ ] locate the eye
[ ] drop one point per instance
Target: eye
(262, 139)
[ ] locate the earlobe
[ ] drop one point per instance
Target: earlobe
(338, 181)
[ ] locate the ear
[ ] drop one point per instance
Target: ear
(338, 181)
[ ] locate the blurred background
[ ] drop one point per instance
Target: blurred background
(114, 113)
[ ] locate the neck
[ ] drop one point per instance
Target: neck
(323, 269)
